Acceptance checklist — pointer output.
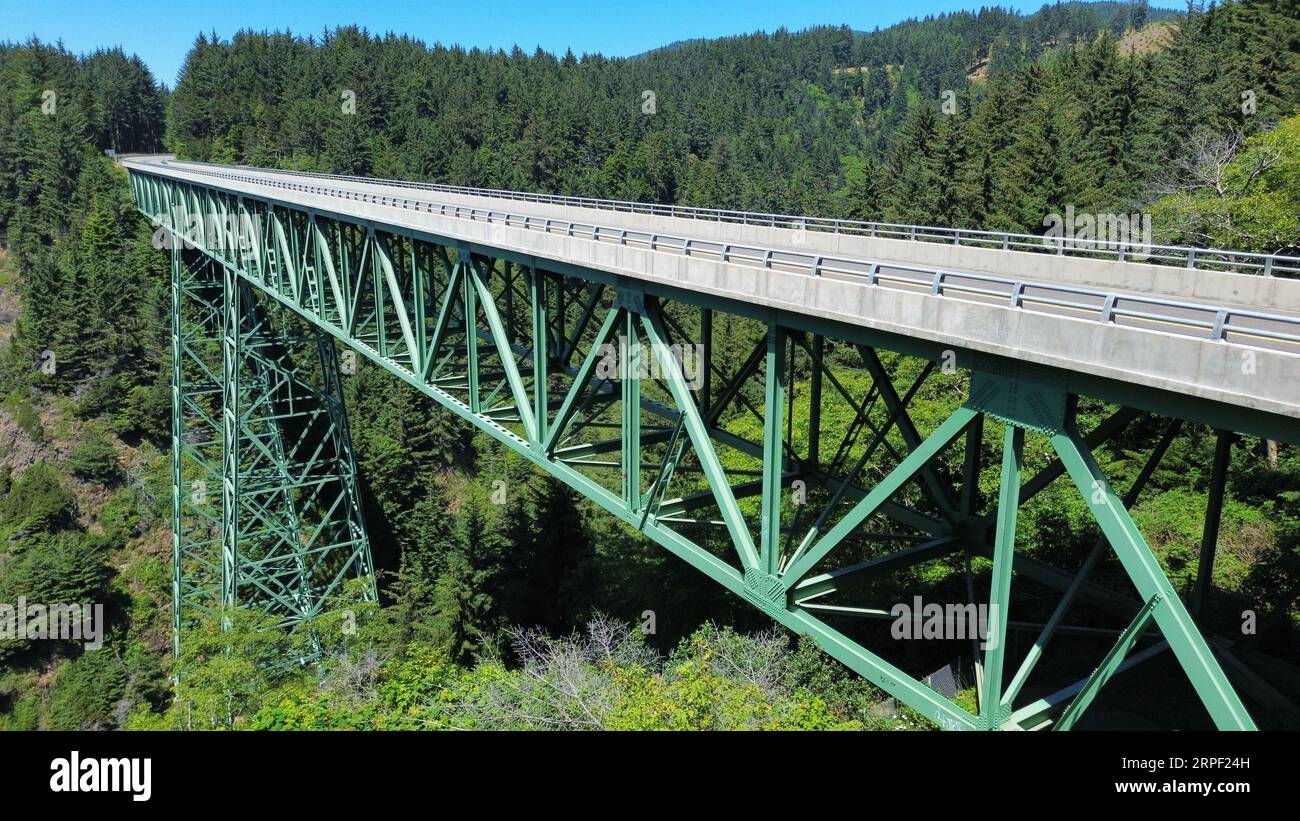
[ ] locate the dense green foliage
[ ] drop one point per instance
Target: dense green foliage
(1049, 110)
(87, 344)
(93, 307)
(603, 677)
(1248, 200)
(94, 459)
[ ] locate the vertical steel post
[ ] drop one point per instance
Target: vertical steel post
(815, 404)
(629, 363)
(706, 341)
(1213, 516)
(508, 275)
(469, 300)
(1013, 445)
(541, 354)
(970, 480)
(773, 436)
(232, 353)
(178, 438)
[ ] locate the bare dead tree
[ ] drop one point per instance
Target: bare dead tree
(758, 659)
(355, 676)
(1204, 165)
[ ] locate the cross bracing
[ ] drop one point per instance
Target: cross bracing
(704, 458)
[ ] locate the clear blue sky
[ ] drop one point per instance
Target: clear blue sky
(162, 32)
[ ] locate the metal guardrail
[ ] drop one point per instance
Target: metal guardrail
(1182, 256)
(1193, 319)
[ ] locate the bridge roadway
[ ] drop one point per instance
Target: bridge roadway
(1230, 338)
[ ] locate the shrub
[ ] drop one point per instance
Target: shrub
(95, 460)
(37, 501)
(86, 692)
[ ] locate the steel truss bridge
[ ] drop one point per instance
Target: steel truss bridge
(504, 308)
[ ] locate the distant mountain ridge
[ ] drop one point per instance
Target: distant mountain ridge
(1106, 9)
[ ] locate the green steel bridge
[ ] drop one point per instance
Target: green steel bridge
(507, 309)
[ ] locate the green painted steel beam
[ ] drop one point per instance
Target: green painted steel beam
(1109, 665)
(992, 711)
(871, 569)
(942, 436)
(581, 383)
(497, 328)
(699, 436)
(773, 474)
(1094, 556)
(1175, 622)
(629, 363)
(1213, 515)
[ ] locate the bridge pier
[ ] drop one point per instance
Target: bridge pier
(266, 508)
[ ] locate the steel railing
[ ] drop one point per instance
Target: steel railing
(1205, 321)
(1209, 259)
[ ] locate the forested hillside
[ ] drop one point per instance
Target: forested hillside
(824, 122)
(1046, 110)
(86, 415)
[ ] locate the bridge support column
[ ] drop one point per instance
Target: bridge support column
(196, 388)
(773, 450)
(288, 532)
(1213, 514)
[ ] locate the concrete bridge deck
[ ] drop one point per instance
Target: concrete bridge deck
(1224, 337)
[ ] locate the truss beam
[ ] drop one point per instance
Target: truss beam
(563, 365)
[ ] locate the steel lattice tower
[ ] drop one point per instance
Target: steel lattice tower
(266, 512)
